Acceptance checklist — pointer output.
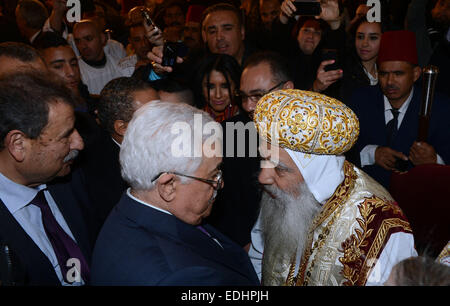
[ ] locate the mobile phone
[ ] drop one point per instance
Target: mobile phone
(307, 8)
(330, 54)
(147, 18)
(401, 164)
(170, 53)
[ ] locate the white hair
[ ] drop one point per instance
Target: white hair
(147, 147)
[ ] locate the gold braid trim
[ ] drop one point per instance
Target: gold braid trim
(360, 250)
(337, 200)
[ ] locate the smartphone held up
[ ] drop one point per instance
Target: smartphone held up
(307, 8)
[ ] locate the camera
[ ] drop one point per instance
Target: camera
(307, 8)
(171, 51)
(330, 54)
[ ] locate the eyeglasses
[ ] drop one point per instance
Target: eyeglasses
(216, 182)
(257, 96)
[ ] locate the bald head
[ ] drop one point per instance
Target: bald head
(89, 40)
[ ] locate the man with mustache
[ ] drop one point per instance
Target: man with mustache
(388, 114)
(41, 219)
(323, 221)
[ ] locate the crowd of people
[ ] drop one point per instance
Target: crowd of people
(313, 118)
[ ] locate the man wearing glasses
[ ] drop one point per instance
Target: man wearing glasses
(236, 208)
(156, 234)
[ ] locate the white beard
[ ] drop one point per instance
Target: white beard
(285, 223)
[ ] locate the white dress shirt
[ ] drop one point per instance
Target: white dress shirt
(367, 154)
(16, 198)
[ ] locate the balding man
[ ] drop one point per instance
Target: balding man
(97, 67)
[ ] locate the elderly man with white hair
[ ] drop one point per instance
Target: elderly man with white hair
(323, 221)
(155, 234)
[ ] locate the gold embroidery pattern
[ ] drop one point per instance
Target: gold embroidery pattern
(306, 121)
(360, 251)
(333, 205)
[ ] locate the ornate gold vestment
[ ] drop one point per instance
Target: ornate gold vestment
(346, 238)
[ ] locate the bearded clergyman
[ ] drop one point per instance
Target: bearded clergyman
(323, 221)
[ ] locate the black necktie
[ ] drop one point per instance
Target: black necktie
(63, 245)
(391, 127)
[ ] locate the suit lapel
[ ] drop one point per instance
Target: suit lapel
(231, 255)
(33, 260)
(189, 236)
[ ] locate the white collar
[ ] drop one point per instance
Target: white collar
(146, 204)
(403, 108)
(16, 196)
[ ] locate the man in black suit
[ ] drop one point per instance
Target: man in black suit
(156, 235)
(119, 100)
(237, 205)
(41, 221)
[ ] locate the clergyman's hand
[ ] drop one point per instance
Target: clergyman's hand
(385, 157)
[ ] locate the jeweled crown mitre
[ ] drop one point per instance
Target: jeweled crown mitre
(306, 121)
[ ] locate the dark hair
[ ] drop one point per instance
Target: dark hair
(223, 7)
(33, 12)
(116, 100)
(302, 20)
(421, 271)
(25, 99)
(223, 63)
(19, 51)
(170, 85)
(175, 86)
(361, 20)
(49, 40)
(279, 66)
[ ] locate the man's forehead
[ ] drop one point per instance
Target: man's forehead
(219, 18)
(60, 52)
(394, 66)
(256, 77)
(84, 29)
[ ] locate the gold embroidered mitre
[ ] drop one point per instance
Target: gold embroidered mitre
(306, 121)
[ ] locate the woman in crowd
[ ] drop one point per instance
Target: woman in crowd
(360, 68)
(217, 79)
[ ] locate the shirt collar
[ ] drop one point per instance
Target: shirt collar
(16, 196)
(146, 204)
(403, 108)
(116, 142)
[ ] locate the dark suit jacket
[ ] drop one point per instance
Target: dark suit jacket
(236, 207)
(139, 245)
(34, 266)
(101, 168)
(368, 105)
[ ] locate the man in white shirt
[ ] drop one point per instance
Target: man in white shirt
(97, 66)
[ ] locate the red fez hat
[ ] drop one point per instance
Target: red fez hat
(194, 13)
(398, 46)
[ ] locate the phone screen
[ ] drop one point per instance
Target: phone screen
(330, 54)
(307, 8)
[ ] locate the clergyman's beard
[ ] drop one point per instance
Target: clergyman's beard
(285, 222)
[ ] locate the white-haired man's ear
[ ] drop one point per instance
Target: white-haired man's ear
(166, 186)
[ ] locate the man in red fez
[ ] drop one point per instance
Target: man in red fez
(388, 114)
(192, 35)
